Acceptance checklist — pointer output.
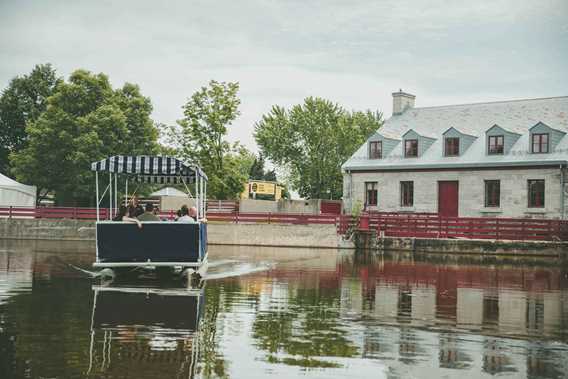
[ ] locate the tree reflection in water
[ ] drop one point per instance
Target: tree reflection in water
(329, 316)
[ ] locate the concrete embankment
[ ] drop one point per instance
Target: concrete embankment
(285, 235)
(290, 235)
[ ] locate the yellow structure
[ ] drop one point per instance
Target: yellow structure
(261, 187)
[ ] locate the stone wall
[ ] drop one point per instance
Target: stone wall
(280, 206)
(285, 235)
(514, 191)
(319, 236)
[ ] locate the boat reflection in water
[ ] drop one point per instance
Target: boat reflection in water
(151, 331)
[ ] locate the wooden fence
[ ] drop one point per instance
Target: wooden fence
(431, 225)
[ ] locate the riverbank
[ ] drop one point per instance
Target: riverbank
(289, 235)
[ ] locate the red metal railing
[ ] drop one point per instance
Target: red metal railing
(431, 225)
(422, 225)
(104, 213)
(54, 212)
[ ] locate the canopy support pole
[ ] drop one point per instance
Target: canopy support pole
(197, 194)
(97, 186)
(115, 194)
(110, 193)
(205, 197)
(202, 190)
(126, 191)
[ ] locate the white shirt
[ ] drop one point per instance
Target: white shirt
(187, 219)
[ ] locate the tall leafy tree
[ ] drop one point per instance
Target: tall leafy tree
(258, 172)
(201, 138)
(22, 102)
(312, 140)
(86, 120)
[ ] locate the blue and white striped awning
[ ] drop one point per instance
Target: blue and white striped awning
(150, 169)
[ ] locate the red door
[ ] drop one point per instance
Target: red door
(448, 199)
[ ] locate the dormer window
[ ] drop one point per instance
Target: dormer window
(411, 148)
(375, 150)
(540, 143)
(452, 147)
(495, 145)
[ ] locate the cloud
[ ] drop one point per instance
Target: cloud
(355, 53)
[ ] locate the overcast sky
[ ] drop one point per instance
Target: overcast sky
(352, 52)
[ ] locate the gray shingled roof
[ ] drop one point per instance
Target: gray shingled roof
(516, 116)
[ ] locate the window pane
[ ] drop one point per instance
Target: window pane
(452, 146)
(495, 145)
(536, 193)
(492, 193)
(407, 194)
(375, 150)
(411, 148)
(371, 193)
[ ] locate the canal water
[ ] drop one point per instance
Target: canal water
(287, 313)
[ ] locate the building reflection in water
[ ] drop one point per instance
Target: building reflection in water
(482, 316)
(417, 318)
(149, 331)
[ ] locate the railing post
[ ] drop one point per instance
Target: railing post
(269, 217)
(10, 212)
(237, 217)
(497, 230)
(75, 213)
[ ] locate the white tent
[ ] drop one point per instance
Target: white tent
(16, 194)
(168, 191)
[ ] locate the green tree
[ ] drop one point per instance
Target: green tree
(201, 138)
(312, 140)
(86, 120)
(22, 102)
(257, 169)
(258, 172)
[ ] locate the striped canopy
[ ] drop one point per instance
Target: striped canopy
(150, 169)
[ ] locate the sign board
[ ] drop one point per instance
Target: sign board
(263, 188)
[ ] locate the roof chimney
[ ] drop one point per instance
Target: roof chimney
(401, 101)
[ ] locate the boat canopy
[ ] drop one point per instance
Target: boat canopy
(151, 169)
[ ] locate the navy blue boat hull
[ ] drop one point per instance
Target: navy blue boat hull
(119, 242)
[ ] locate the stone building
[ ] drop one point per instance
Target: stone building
(496, 159)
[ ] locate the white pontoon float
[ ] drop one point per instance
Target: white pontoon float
(156, 244)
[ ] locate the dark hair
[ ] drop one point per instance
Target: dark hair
(149, 207)
(184, 210)
(132, 211)
(121, 213)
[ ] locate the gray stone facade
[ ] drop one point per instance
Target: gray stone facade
(471, 195)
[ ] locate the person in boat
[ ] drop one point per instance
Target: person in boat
(135, 203)
(127, 215)
(185, 215)
(148, 215)
(193, 213)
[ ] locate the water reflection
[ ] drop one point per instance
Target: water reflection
(154, 330)
(314, 313)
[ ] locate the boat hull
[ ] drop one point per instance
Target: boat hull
(156, 244)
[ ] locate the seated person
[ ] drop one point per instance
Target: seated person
(138, 210)
(185, 217)
(127, 215)
(148, 215)
(193, 213)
